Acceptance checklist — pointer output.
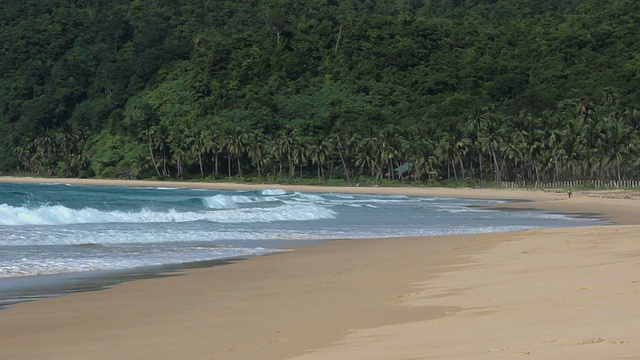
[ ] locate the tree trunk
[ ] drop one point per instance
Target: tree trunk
(153, 160)
(338, 40)
(216, 163)
(344, 165)
(179, 164)
(200, 163)
(555, 163)
(455, 173)
(292, 169)
(496, 166)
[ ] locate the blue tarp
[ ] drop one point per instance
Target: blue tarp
(402, 169)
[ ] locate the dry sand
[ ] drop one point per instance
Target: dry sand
(546, 294)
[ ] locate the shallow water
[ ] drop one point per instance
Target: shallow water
(47, 231)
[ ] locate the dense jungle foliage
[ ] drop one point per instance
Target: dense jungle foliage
(490, 90)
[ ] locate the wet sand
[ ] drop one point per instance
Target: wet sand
(548, 294)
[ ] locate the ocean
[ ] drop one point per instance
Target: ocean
(57, 238)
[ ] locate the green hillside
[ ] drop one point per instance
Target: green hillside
(462, 90)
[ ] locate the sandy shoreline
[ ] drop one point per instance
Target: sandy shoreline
(552, 293)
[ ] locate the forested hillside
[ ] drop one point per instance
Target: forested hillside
(279, 89)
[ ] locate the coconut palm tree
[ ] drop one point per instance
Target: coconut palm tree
(196, 140)
(473, 128)
(147, 136)
(214, 144)
(235, 146)
(278, 152)
(300, 155)
(287, 140)
(573, 146)
(319, 153)
(160, 140)
(618, 143)
(255, 149)
(491, 137)
(178, 143)
(389, 150)
(367, 154)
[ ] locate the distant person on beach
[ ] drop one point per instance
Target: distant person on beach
(569, 193)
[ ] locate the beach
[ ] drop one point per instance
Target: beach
(547, 293)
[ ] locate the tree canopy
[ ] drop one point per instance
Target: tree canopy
(467, 90)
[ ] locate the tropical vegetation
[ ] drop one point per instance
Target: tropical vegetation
(280, 90)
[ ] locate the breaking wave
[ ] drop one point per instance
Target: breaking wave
(61, 215)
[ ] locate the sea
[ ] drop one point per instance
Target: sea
(57, 239)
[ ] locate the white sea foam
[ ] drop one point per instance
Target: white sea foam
(108, 234)
(67, 264)
(124, 228)
(273, 192)
(457, 209)
(220, 202)
(61, 215)
(309, 197)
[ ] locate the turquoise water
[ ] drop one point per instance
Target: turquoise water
(62, 229)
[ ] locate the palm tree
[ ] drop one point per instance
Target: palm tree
(300, 155)
(214, 143)
(460, 147)
(491, 137)
(572, 146)
(338, 144)
(26, 153)
(235, 146)
(196, 141)
(255, 149)
(367, 154)
(510, 151)
(446, 152)
(278, 151)
(551, 151)
(389, 151)
(178, 143)
(424, 164)
(319, 153)
(47, 152)
(618, 144)
(422, 155)
(69, 143)
(140, 164)
(160, 139)
(147, 137)
(473, 128)
(287, 139)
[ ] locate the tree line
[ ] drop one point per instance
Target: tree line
(287, 89)
(579, 143)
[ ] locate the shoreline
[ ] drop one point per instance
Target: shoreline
(18, 290)
(334, 296)
(35, 288)
(613, 205)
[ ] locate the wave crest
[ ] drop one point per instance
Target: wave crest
(61, 215)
